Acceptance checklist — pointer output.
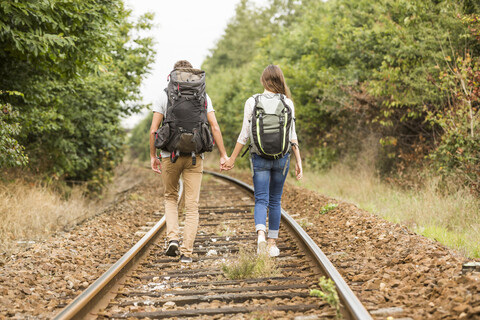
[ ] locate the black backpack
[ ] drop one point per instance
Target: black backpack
(185, 128)
(270, 126)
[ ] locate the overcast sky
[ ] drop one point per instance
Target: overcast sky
(184, 29)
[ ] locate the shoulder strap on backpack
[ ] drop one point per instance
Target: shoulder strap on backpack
(282, 98)
(246, 150)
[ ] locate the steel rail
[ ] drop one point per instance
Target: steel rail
(352, 308)
(92, 297)
(95, 296)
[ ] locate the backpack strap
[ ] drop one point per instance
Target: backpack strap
(254, 113)
(282, 98)
(203, 100)
(253, 146)
(286, 164)
(246, 150)
(169, 100)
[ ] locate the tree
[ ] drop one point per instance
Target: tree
(79, 70)
(11, 152)
(138, 140)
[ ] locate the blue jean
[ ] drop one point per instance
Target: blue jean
(268, 180)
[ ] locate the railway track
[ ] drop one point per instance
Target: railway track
(145, 283)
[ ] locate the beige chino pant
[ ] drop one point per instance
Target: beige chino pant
(192, 180)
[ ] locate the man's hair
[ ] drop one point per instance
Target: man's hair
(182, 64)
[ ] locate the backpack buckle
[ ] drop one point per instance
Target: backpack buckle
(194, 158)
(174, 156)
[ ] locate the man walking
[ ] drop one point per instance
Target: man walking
(175, 162)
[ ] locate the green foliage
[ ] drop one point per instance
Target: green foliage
(11, 153)
(327, 208)
(452, 239)
(322, 158)
(328, 292)
(79, 66)
(458, 152)
(138, 140)
(357, 69)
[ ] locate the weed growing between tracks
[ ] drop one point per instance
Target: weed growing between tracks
(247, 264)
(225, 231)
(261, 315)
(328, 292)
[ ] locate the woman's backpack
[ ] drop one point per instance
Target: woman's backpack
(270, 126)
(185, 126)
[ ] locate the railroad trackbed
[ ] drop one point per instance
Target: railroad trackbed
(394, 272)
(153, 285)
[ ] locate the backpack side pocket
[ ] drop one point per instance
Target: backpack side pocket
(162, 136)
(207, 139)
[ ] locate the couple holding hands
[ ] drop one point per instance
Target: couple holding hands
(268, 118)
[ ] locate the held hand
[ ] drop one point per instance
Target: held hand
(229, 164)
(156, 164)
(223, 159)
(298, 171)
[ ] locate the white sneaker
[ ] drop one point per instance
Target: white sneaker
(261, 243)
(261, 246)
(273, 251)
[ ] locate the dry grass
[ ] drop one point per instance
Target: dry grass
(32, 212)
(451, 219)
(247, 264)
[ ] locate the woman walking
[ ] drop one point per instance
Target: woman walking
(269, 118)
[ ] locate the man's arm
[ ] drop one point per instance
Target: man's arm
(217, 135)
(154, 162)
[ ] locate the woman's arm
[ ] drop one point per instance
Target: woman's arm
(298, 159)
(244, 135)
(236, 151)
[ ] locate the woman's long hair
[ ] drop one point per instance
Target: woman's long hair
(273, 80)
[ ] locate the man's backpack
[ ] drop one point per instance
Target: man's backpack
(185, 126)
(270, 126)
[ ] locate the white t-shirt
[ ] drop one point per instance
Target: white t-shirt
(161, 107)
(247, 116)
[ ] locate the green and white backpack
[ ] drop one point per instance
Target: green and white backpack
(270, 126)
